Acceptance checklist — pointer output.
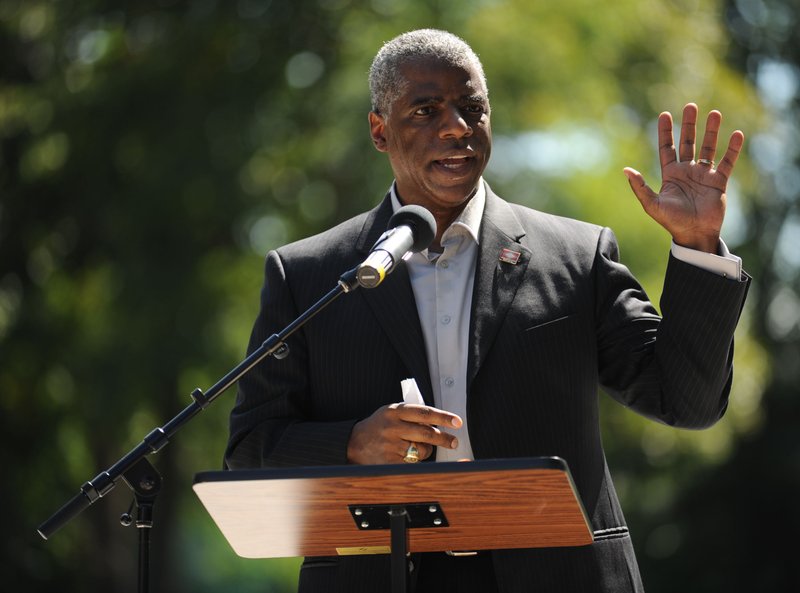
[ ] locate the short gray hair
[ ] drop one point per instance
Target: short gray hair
(386, 83)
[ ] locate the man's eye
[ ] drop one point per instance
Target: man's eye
(427, 110)
(475, 108)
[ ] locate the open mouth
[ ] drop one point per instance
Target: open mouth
(454, 163)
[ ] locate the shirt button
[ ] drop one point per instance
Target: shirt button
(446, 319)
(445, 264)
(449, 381)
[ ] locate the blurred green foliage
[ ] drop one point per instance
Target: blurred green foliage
(152, 152)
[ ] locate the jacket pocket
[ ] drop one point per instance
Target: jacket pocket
(549, 324)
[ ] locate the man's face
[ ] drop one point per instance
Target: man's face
(437, 134)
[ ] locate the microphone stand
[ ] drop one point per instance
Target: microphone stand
(140, 475)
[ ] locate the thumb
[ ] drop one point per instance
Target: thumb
(646, 196)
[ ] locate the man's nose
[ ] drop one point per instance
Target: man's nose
(454, 125)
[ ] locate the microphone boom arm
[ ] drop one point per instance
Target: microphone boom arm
(105, 481)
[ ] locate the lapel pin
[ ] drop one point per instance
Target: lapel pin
(509, 256)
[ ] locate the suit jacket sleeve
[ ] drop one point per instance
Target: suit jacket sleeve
(677, 370)
(268, 425)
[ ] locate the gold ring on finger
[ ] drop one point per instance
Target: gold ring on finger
(412, 454)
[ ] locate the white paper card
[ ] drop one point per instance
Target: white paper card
(411, 393)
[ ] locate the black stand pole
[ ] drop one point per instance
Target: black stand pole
(398, 519)
(139, 473)
(145, 482)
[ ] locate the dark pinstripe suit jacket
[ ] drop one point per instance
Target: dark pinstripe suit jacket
(545, 333)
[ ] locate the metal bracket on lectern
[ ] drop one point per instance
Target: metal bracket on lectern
(419, 514)
(398, 518)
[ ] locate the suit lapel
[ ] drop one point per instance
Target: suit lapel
(496, 284)
(496, 281)
(394, 306)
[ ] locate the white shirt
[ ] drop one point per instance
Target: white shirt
(442, 285)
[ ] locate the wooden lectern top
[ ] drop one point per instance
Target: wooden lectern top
(322, 511)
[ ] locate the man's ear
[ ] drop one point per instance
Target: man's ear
(377, 125)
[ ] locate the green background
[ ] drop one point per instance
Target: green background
(152, 152)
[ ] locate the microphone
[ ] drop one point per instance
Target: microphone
(410, 229)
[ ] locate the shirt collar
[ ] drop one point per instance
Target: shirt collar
(470, 217)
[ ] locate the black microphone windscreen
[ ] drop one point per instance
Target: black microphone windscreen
(421, 222)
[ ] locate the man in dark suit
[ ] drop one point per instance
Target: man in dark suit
(509, 322)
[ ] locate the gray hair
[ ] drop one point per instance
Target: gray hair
(386, 83)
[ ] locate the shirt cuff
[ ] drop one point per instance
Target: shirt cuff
(724, 263)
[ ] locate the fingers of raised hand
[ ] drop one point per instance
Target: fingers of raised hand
(688, 132)
(666, 142)
(725, 166)
(639, 186)
(686, 147)
(686, 150)
(708, 148)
